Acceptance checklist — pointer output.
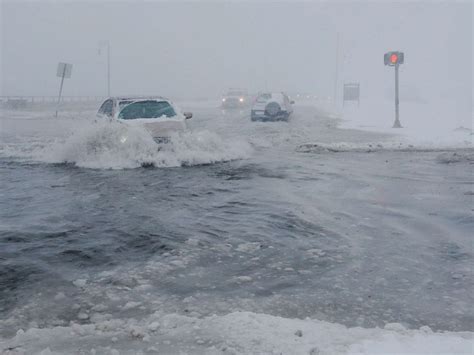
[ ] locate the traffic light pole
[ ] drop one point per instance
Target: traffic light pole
(108, 68)
(397, 124)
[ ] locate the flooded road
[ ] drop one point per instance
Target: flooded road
(231, 217)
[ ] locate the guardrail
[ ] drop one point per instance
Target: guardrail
(50, 99)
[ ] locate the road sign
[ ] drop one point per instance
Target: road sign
(351, 92)
(64, 71)
(394, 59)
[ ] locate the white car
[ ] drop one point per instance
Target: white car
(272, 106)
(157, 114)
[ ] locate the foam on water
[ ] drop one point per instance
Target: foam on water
(113, 145)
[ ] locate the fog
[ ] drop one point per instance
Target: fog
(201, 48)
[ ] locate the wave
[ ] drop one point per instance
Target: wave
(113, 145)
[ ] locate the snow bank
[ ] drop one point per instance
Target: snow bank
(424, 131)
(462, 152)
(456, 157)
(234, 333)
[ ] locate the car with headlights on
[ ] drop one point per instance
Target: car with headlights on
(271, 106)
(157, 114)
(235, 98)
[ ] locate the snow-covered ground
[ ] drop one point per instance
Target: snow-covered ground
(437, 125)
(233, 333)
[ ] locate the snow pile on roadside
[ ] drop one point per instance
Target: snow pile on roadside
(447, 155)
(234, 333)
(456, 157)
(341, 147)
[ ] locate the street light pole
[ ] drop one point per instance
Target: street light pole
(336, 74)
(106, 43)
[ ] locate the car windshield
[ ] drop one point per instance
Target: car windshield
(147, 109)
(264, 97)
(236, 93)
(122, 104)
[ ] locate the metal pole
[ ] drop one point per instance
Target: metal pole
(108, 68)
(265, 70)
(396, 124)
(336, 74)
(358, 97)
(60, 90)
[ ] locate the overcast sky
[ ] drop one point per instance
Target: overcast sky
(200, 48)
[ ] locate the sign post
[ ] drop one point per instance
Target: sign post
(394, 59)
(64, 71)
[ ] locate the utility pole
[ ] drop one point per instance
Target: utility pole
(265, 71)
(336, 74)
(108, 68)
(102, 44)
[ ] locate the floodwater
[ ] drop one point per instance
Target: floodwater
(232, 216)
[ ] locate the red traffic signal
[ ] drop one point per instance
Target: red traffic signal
(394, 58)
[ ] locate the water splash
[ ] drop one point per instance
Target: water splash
(114, 145)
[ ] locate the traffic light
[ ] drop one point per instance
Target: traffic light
(393, 58)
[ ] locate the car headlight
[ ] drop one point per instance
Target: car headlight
(241, 99)
(223, 100)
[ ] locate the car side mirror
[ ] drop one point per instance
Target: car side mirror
(188, 115)
(292, 102)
